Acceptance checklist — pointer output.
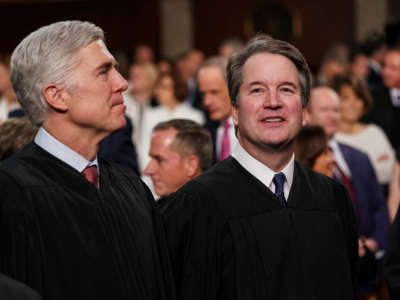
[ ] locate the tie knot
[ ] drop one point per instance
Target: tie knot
(279, 180)
(91, 175)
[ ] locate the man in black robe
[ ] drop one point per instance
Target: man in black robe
(73, 226)
(259, 225)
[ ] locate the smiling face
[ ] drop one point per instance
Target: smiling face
(94, 99)
(269, 111)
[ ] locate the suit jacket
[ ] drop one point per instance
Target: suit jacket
(385, 114)
(374, 79)
(14, 290)
(372, 210)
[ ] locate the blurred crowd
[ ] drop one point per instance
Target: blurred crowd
(351, 133)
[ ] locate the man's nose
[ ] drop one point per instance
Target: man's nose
(120, 84)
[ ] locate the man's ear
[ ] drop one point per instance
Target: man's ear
(192, 165)
(305, 116)
(55, 97)
(235, 117)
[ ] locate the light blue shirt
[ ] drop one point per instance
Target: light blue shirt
(46, 141)
(262, 172)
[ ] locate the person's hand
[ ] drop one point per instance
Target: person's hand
(371, 244)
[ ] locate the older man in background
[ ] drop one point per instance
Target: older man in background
(214, 90)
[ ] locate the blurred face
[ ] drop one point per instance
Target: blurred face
(391, 69)
(164, 91)
(168, 170)
(144, 54)
(359, 66)
(323, 110)
(214, 89)
(324, 163)
(332, 69)
(95, 99)
(139, 80)
(351, 106)
(269, 111)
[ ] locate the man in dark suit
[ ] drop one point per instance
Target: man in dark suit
(214, 90)
(385, 110)
(258, 225)
(72, 225)
(353, 168)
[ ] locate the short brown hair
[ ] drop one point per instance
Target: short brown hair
(358, 86)
(266, 44)
(191, 139)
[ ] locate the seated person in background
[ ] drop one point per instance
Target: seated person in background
(170, 92)
(355, 100)
(15, 133)
(140, 95)
(354, 170)
(358, 63)
(311, 148)
(180, 151)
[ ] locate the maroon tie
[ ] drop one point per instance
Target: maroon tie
(91, 175)
(225, 145)
(348, 185)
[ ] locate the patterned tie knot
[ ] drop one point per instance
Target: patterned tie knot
(91, 175)
(279, 180)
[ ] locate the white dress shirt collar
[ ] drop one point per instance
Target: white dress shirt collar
(261, 171)
(339, 158)
(46, 141)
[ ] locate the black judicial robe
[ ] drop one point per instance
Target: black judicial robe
(68, 240)
(231, 238)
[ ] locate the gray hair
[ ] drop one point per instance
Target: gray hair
(261, 44)
(218, 62)
(48, 55)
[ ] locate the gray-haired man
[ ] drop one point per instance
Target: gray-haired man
(74, 226)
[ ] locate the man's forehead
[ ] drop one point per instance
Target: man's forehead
(259, 67)
(323, 97)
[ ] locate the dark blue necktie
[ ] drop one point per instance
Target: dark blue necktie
(279, 180)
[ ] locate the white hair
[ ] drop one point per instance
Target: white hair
(48, 55)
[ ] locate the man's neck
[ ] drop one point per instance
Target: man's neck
(275, 159)
(84, 142)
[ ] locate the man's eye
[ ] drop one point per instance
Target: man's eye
(256, 91)
(287, 90)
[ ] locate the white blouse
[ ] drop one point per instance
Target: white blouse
(374, 142)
